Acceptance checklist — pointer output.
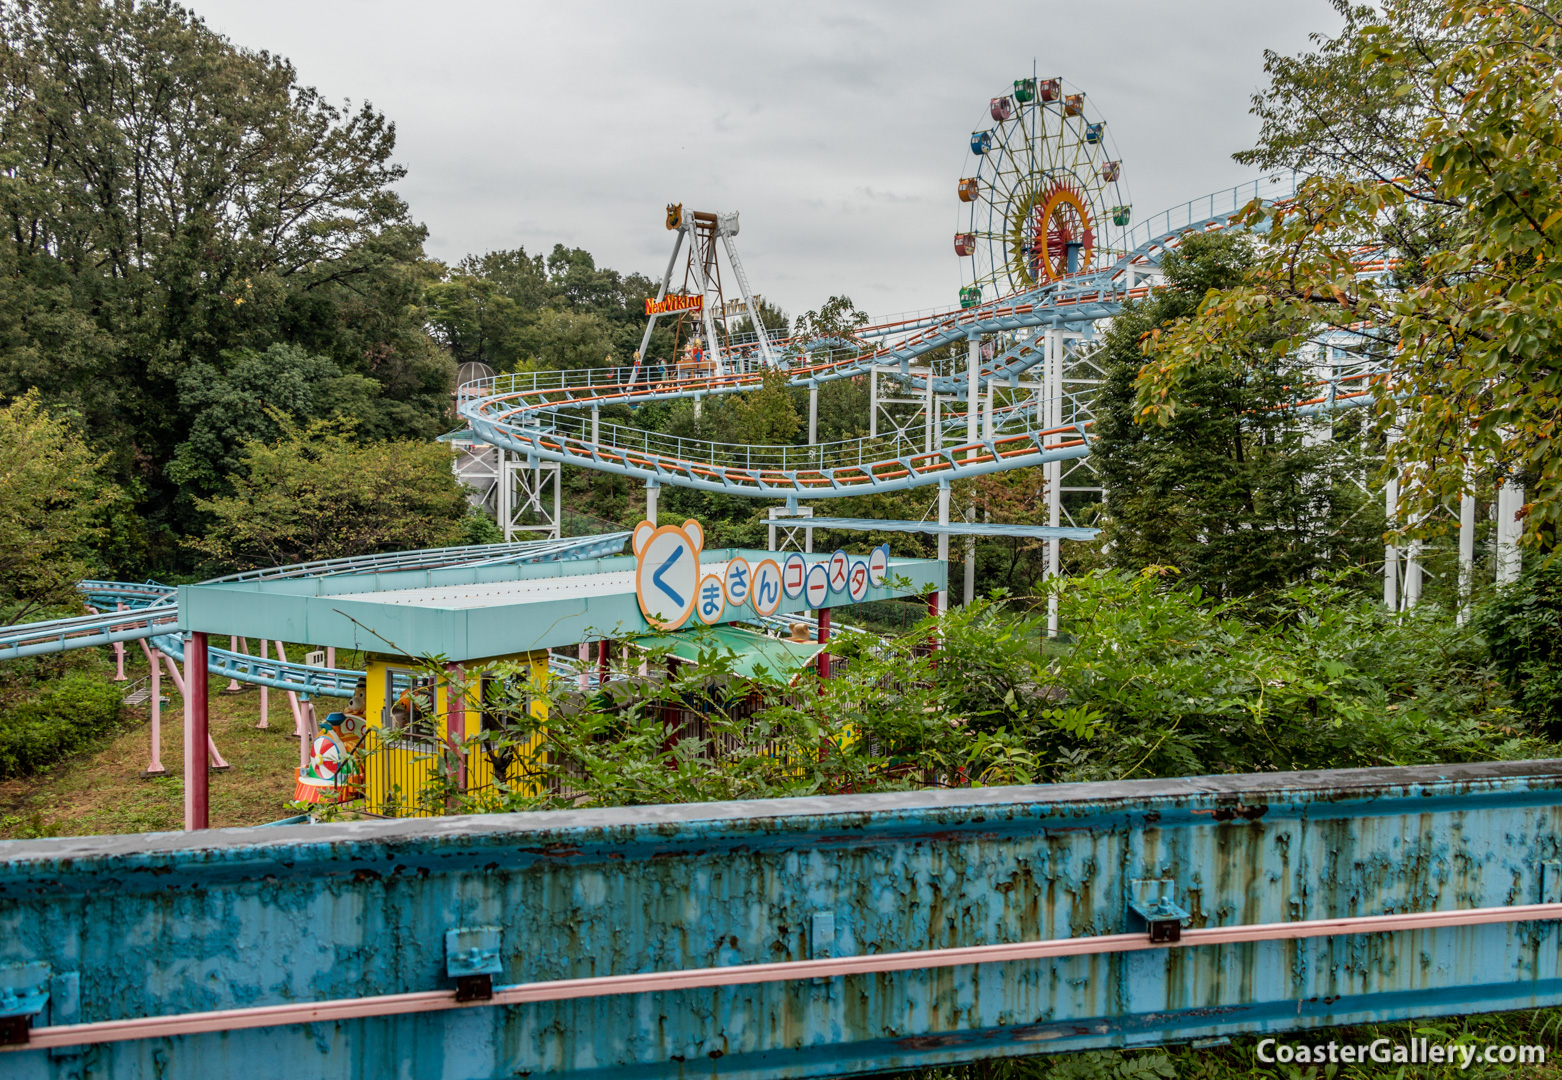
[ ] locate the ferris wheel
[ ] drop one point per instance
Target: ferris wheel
(1043, 196)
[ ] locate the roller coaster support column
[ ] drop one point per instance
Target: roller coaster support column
(652, 488)
(873, 401)
(1413, 573)
(1466, 552)
(813, 412)
(197, 814)
(265, 693)
(1390, 550)
(1052, 382)
(824, 639)
(943, 539)
(1510, 503)
(970, 558)
(973, 391)
(155, 767)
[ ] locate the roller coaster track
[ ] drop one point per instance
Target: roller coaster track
(541, 415)
(150, 610)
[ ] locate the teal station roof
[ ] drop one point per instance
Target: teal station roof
(472, 612)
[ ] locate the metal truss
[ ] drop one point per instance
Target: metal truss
(526, 504)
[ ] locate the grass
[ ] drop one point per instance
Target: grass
(103, 790)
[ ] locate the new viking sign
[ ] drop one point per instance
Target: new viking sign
(674, 303)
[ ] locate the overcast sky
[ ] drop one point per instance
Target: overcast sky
(838, 130)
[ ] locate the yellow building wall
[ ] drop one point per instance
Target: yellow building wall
(401, 769)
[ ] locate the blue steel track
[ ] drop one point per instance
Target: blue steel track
(540, 414)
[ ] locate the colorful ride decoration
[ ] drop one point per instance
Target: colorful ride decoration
(334, 772)
(1042, 196)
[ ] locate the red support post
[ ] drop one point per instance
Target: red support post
(197, 793)
(670, 713)
(823, 659)
(933, 613)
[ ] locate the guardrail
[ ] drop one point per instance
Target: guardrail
(793, 937)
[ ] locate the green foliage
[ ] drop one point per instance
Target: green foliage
(63, 720)
(1230, 490)
(52, 507)
(314, 493)
(478, 528)
(241, 401)
(511, 310)
(1433, 131)
(173, 203)
(1522, 626)
(1149, 681)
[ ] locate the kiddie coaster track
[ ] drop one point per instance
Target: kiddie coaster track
(779, 938)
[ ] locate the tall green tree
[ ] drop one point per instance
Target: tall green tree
(315, 492)
(52, 506)
(1435, 144)
(169, 198)
(1233, 489)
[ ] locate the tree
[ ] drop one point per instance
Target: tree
(242, 401)
(52, 501)
(169, 198)
(1233, 489)
(315, 493)
(1463, 201)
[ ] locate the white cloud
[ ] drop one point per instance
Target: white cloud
(837, 131)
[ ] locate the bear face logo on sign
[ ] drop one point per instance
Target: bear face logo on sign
(667, 571)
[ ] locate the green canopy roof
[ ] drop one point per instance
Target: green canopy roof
(753, 650)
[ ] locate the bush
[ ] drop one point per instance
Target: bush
(63, 720)
(1522, 626)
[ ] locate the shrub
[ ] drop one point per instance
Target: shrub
(1522, 626)
(63, 720)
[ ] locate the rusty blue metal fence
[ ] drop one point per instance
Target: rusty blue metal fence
(134, 926)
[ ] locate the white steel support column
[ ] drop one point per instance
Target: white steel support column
(1390, 550)
(1510, 501)
(596, 425)
(1052, 381)
(1466, 554)
(873, 402)
(943, 542)
(813, 412)
(652, 489)
(930, 420)
(973, 391)
(728, 230)
(1413, 575)
(970, 560)
(786, 522)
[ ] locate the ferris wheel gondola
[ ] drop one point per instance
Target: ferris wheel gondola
(1043, 196)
